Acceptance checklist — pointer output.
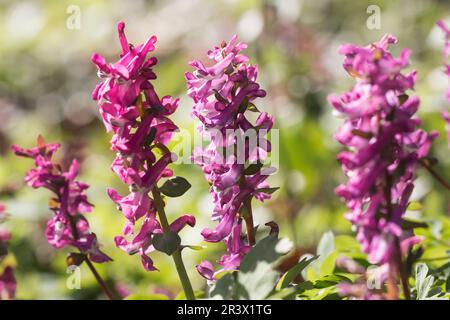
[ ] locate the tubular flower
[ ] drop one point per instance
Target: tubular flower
(222, 93)
(446, 114)
(138, 119)
(68, 227)
(384, 146)
(7, 281)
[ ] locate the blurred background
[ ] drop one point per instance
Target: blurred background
(46, 79)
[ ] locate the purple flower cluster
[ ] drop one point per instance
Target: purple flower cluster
(68, 227)
(446, 30)
(384, 146)
(138, 118)
(7, 280)
(222, 93)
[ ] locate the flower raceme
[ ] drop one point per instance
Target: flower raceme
(68, 227)
(7, 280)
(138, 118)
(384, 145)
(446, 30)
(222, 94)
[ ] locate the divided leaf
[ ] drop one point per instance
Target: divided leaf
(257, 276)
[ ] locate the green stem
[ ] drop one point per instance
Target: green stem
(399, 261)
(184, 278)
(435, 175)
(435, 259)
(177, 258)
(402, 272)
(91, 266)
(99, 279)
(248, 218)
(247, 214)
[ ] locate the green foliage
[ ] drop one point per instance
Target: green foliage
(423, 282)
(326, 257)
(256, 277)
(175, 187)
(426, 288)
(292, 273)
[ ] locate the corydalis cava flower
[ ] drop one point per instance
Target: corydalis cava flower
(138, 119)
(7, 280)
(446, 31)
(222, 93)
(68, 227)
(384, 147)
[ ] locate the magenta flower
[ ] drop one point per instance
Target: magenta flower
(384, 146)
(139, 121)
(68, 227)
(441, 24)
(5, 235)
(8, 283)
(446, 114)
(222, 93)
(358, 291)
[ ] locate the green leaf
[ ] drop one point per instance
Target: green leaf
(252, 169)
(257, 276)
(197, 293)
(403, 98)
(330, 280)
(415, 206)
(325, 248)
(345, 243)
(225, 288)
(195, 248)
(302, 287)
(326, 245)
(243, 106)
(167, 242)
(333, 296)
(328, 264)
(251, 107)
(284, 294)
(423, 283)
(219, 97)
(408, 224)
(175, 187)
(292, 273)
(151, 136)
(219, 274)
(267, 190)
